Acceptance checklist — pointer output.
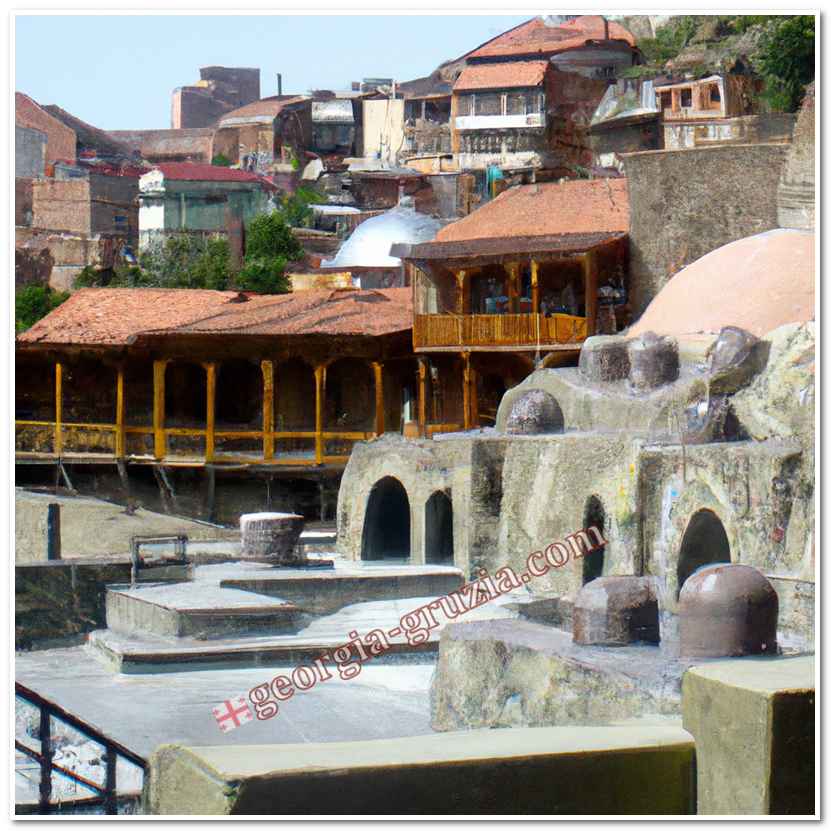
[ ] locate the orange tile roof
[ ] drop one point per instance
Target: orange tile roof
(120, 317)
(580, 206)
(501, 75)
(536, 38)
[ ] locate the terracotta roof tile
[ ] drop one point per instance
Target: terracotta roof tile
(119, 317)
(537, 38)
(578, 207)
(501, 75)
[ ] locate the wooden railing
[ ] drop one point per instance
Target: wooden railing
(498, 330)
(51, 439)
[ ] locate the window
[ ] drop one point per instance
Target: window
(465, 105)
(686, 97)
(517, 103)
(489, 103)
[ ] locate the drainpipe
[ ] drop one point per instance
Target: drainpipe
(605, 28)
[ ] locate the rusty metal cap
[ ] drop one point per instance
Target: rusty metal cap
(728, 609)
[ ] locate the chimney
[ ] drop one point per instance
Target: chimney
(280, 75)
(605, 28)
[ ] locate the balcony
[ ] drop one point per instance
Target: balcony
(446, 331)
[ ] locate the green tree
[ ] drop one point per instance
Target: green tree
(269, 246)
(786, 60)
(221, 160)
(33, 302)
(296, 207)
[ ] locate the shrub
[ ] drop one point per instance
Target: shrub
(264, 275)
(221, 160)
(33, 302)
(269, 235)
(787, 60)
(296, 208)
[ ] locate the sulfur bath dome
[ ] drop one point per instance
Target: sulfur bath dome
(370, 243)
(757, 283)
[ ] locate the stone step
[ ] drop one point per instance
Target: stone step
(196, 610)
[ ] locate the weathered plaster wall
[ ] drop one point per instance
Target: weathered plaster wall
(684, 204)
(60, 139)
(796, 190)
(29, 152)
(383, 128)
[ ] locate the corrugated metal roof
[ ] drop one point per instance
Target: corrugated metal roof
(337, 110)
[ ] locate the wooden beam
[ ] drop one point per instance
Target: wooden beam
(58, 408)
(378, 370)
(463, 299)
(159, 438)
(535, 287)
(119, 414)
(210, 410)
(268, 409)
(320, 399)
(513, 287)
(422, 396)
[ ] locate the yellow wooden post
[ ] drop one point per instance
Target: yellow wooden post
(268, 410)
(210, 411)
(535, 287)
(466, 389)
(378, 370)
(422, 396)
(462, 301)
(159, 437)
(58, 408)
(320, 398)
(119, 414)
(513, 287)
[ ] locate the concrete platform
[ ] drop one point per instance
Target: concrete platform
(199, 609)
(544, 771)
(145, 711)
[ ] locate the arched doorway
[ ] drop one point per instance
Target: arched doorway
(438, 528)
(705, 542)
(387, 522)
(594, 517)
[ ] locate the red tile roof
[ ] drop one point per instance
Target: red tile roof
(501, 75)
(264, 107)
(581, 206)
(195, 172)
(536, 38)
(120, 317)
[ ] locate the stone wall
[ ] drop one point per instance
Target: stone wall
(796, 190)
(22, 202)
(686, 203)
(29, 152)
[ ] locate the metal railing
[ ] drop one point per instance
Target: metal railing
(106, 793)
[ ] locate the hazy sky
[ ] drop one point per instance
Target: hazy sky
(117, 72)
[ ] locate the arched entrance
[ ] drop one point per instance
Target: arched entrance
(387, 522)
(438, 528)
(595, 517)
(705, 542)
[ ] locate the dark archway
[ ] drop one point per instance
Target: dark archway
(239, 394)
(594, 517)
(387, 522)
(705, 542)
(438, 528)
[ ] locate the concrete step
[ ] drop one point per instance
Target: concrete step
(196, 610)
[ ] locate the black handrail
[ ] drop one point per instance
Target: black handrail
(112, 750)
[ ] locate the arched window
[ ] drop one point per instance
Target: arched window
(705, 542)
(438, 528)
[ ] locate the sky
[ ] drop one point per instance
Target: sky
(123, 68)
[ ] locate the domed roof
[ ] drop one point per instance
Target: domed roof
(757, 283)
(370, 243)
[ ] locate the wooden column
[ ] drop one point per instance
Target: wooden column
(119, 414)
(463, 299)
(268, 409)
(58, 408)
(378, 372)
(513, 287)
(474, 396)
(535, 287)
(159, 438)
(422, 396)
(320, 399)
(590, 281)
(210, 411)
(466, 389)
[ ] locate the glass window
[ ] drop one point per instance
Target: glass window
(465, 105)
(517, 103)
(686, 97)
(489, 103)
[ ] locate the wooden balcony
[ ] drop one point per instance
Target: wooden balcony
(498, 331)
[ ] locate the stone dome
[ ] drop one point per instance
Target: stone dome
(369, 244)
(757, 283)
(535, 412)
(728, 609)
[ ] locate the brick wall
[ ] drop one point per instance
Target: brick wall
(60, 139)
(685, 203)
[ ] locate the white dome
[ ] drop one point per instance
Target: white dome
(370, 243)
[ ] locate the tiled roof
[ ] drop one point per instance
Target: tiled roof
(120, 317)
(580, 206)
(537, 38)
(90, 137)
(501, 75)
(194, 172)
(266, 107)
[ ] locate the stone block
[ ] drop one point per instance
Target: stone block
(653, 362)
(616, 611)
(753, 723)
(604, 358)
(535, 412)
(735, 357)
(617, 770)
(271, 537)
(551, 611)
